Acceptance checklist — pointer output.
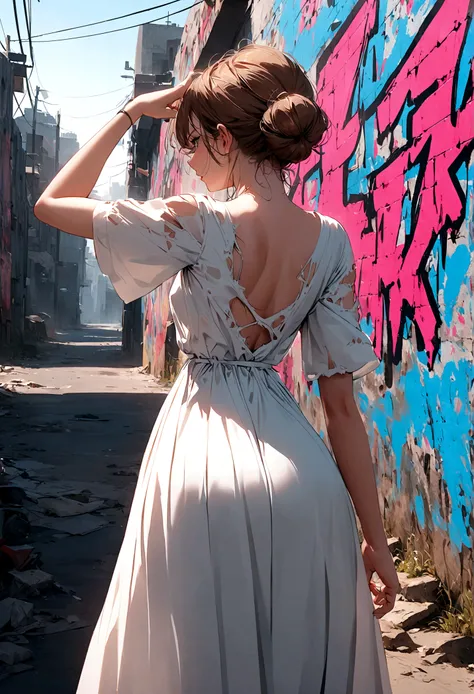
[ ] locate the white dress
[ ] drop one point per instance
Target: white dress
(240, 571)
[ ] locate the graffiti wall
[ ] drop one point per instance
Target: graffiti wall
(397, 169)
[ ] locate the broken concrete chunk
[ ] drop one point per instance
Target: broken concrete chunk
(29, 465)
(394, 544)
(62, 507)
(12, 653)
(14, 638)
(419, 589)
(76, 525)
(15, 612)
(397, 639)
(458, 649)
(406, 615)
(31, 582)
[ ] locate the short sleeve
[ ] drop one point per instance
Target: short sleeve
(332, 340)
(140, 245)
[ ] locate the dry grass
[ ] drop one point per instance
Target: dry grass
(415, 562)
(458, 617)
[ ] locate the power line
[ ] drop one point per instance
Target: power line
(88, 96)
(15, 11)
(28, 29)
(104, 21)
(19, 108)
(92, 115)
(132, 26)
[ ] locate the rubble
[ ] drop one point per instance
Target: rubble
(64, 507)
(12, 653)
(31, 582)
(394, 545)
(15, 612)
(75, 525)
(408, 614)
(396, 639)
(419, 589)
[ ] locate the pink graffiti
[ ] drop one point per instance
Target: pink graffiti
(309, 13)
(437, 138)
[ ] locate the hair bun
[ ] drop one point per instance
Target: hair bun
(293, 126)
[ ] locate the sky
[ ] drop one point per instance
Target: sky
(73, 72)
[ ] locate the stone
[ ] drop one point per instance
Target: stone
(62, 507)
(14, 638)
(396, 639)
(12, 653)
(31, 582)
(406, 615)
(17, 613)
(459, 649)
(419, 589)
(394, 544)
(435, 658)
(75, 525)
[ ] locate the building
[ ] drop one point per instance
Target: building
(157, 45)
(14, 210)
(55, 260)
(154, 59)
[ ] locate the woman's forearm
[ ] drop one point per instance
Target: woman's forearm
(351, 449)
(78, 177)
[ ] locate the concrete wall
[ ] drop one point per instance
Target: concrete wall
(396, 79)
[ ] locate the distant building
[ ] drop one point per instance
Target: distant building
(157, 45)
(55, 260)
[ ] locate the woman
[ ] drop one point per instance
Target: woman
(240, 571)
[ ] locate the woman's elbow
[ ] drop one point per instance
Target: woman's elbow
(40, 211)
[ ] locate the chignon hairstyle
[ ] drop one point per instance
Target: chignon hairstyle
(263, 98)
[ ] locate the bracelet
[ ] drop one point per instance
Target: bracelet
(127, 114)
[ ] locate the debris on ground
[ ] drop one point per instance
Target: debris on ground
(75, 525)
(394, 545)
(63, 507)
(395, 639)
(89, 418)
(12, 653)
(20, 382)
(408, 614)
(30, 582)
(419, 589)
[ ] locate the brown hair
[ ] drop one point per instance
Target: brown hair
(264, 99)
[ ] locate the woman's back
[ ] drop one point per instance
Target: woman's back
(274, 240)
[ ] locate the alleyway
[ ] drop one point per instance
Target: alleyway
(89, 424)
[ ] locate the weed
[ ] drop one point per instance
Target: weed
(415, 562)
(458, 617)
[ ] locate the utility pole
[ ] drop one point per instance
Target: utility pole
(33, 138)
(58, 233)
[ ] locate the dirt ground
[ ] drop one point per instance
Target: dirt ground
(85, 373)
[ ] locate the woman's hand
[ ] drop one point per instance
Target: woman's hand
(380, 561)
(162, 104)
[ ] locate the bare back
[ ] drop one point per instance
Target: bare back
(274, 244)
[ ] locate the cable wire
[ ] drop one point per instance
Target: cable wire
(19, 108)
(111, 19)
(89, 96)
(15, 11)
(132, 26)
(28, 29)
(93, 115)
